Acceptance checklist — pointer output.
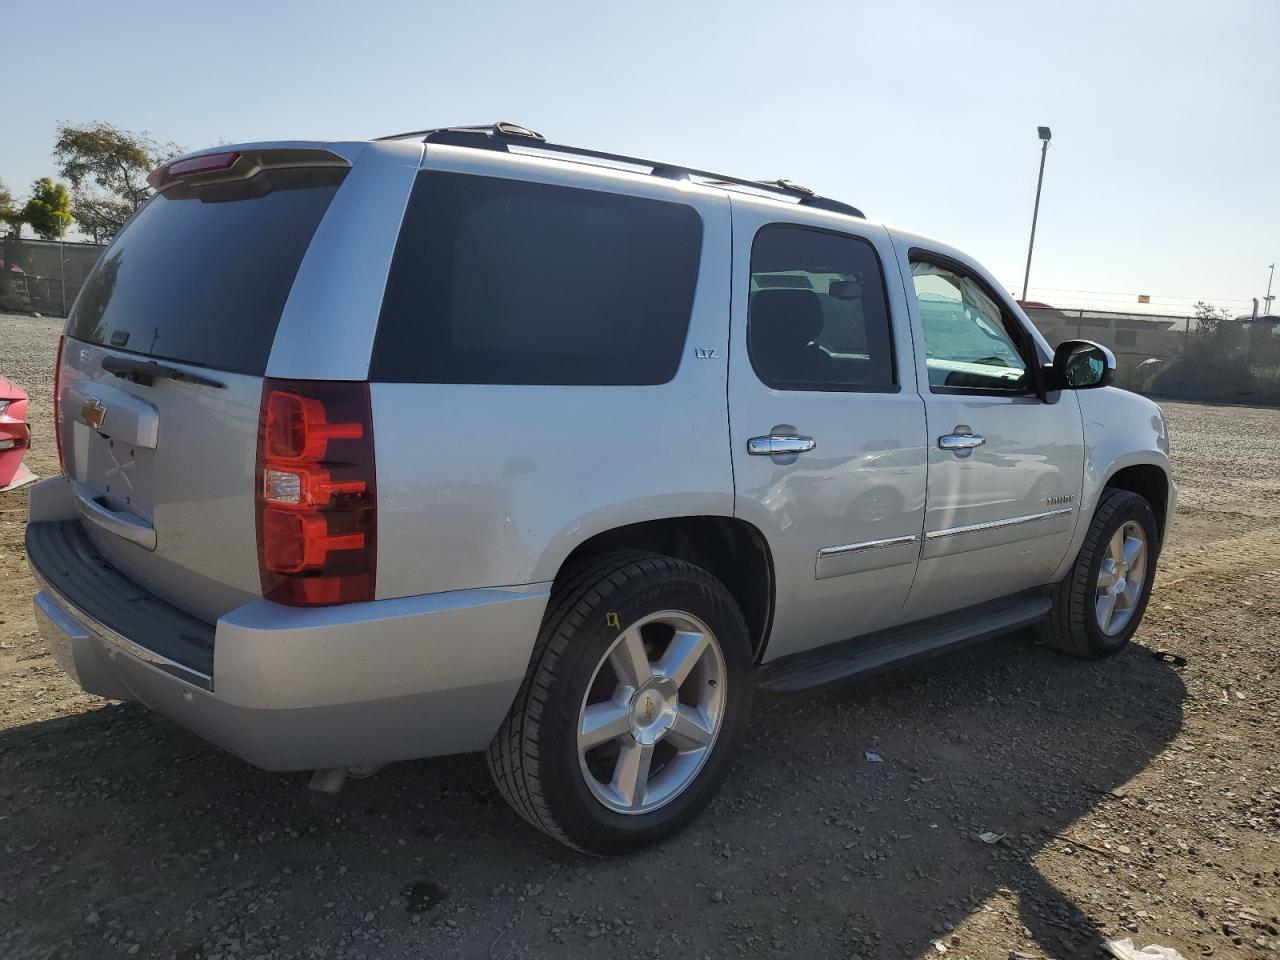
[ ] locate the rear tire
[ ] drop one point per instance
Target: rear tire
(1100, 603)
(635, 702)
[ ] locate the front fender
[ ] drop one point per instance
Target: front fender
(1121, 429)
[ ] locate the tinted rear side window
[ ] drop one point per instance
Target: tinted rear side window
(201, 275)
(504, 281)
(818, 314)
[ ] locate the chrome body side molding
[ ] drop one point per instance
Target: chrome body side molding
(848, 548)
(995, 524)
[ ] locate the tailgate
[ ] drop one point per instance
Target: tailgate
(162, 370)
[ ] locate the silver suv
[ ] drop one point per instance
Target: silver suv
(461, 440)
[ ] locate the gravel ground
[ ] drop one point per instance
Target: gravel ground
(1138, 797)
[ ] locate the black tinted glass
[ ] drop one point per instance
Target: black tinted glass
(202, 275)
(504, 281)
(818, 317)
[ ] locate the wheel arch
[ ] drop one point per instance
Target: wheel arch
(1144, 472)
(1151, 482)
(733, 551)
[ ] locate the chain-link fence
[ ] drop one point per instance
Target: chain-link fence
(1180, 357)
(43, 276)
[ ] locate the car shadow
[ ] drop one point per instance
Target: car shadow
(849, 828)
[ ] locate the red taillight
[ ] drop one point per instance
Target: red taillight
(316, 497)
(298, 428)
(57, 405)
(209, 163)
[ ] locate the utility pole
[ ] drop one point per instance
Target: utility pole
(1269, 297)
(1045, 136)
(62, 265)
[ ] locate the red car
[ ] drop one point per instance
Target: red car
(15, 435)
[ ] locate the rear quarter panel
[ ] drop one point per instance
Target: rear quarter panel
(493, 485)
(327, 328)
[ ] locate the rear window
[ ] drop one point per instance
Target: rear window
(504, 281)
(201, 275)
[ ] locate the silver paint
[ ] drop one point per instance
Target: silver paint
(864, 481)
(485, 490)
(1033, 450)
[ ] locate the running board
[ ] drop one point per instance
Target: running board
(899, 645)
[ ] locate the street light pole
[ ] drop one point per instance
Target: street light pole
(1269, 297)
(1045, 136)
(62, 265)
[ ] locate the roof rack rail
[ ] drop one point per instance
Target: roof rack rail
(503, 135)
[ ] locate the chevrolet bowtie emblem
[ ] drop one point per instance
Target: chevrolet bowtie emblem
(93, 413)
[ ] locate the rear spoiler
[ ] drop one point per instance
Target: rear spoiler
(243, 164)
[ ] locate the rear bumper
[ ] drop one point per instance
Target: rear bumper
(296, 689)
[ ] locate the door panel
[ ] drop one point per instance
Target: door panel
(844, 517)
(999, 516)
(1005, 467)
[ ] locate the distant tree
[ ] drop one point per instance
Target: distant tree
(1208, 317)
(8, 212)
(10, 252)
(49, 209)
(100, 217)
(108, 170)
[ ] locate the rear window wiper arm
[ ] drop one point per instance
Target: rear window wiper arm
(145, 372)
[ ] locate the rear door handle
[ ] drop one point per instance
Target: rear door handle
(775, 445)
(960, 441)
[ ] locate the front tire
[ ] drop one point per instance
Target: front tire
(635, 703)
(1100, 603)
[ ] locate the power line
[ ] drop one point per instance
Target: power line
(1134, 296)
(1072, 308)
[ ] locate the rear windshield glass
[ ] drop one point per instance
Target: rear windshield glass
(505, 281)
(201, 275)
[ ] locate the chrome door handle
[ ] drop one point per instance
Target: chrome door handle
(960, 441)
(775, 445)
(123, 524)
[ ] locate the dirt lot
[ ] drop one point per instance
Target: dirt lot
(1140, 797)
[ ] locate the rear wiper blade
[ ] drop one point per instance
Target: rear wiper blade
(145, 372)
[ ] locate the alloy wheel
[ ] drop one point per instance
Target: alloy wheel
(652, 712)
(1121, 578)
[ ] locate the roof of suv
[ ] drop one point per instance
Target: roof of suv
(510, 137)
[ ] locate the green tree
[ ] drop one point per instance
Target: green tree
(108, 170)
(10, 252)
(8, 212)
(100, 217)
(49, 209)
(1208, 317)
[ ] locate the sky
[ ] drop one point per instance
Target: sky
(1162, 178)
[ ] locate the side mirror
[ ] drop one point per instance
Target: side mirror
(1082, 365)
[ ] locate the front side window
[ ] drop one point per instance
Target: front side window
(966, 342)
(510, 282)
(818, 317)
